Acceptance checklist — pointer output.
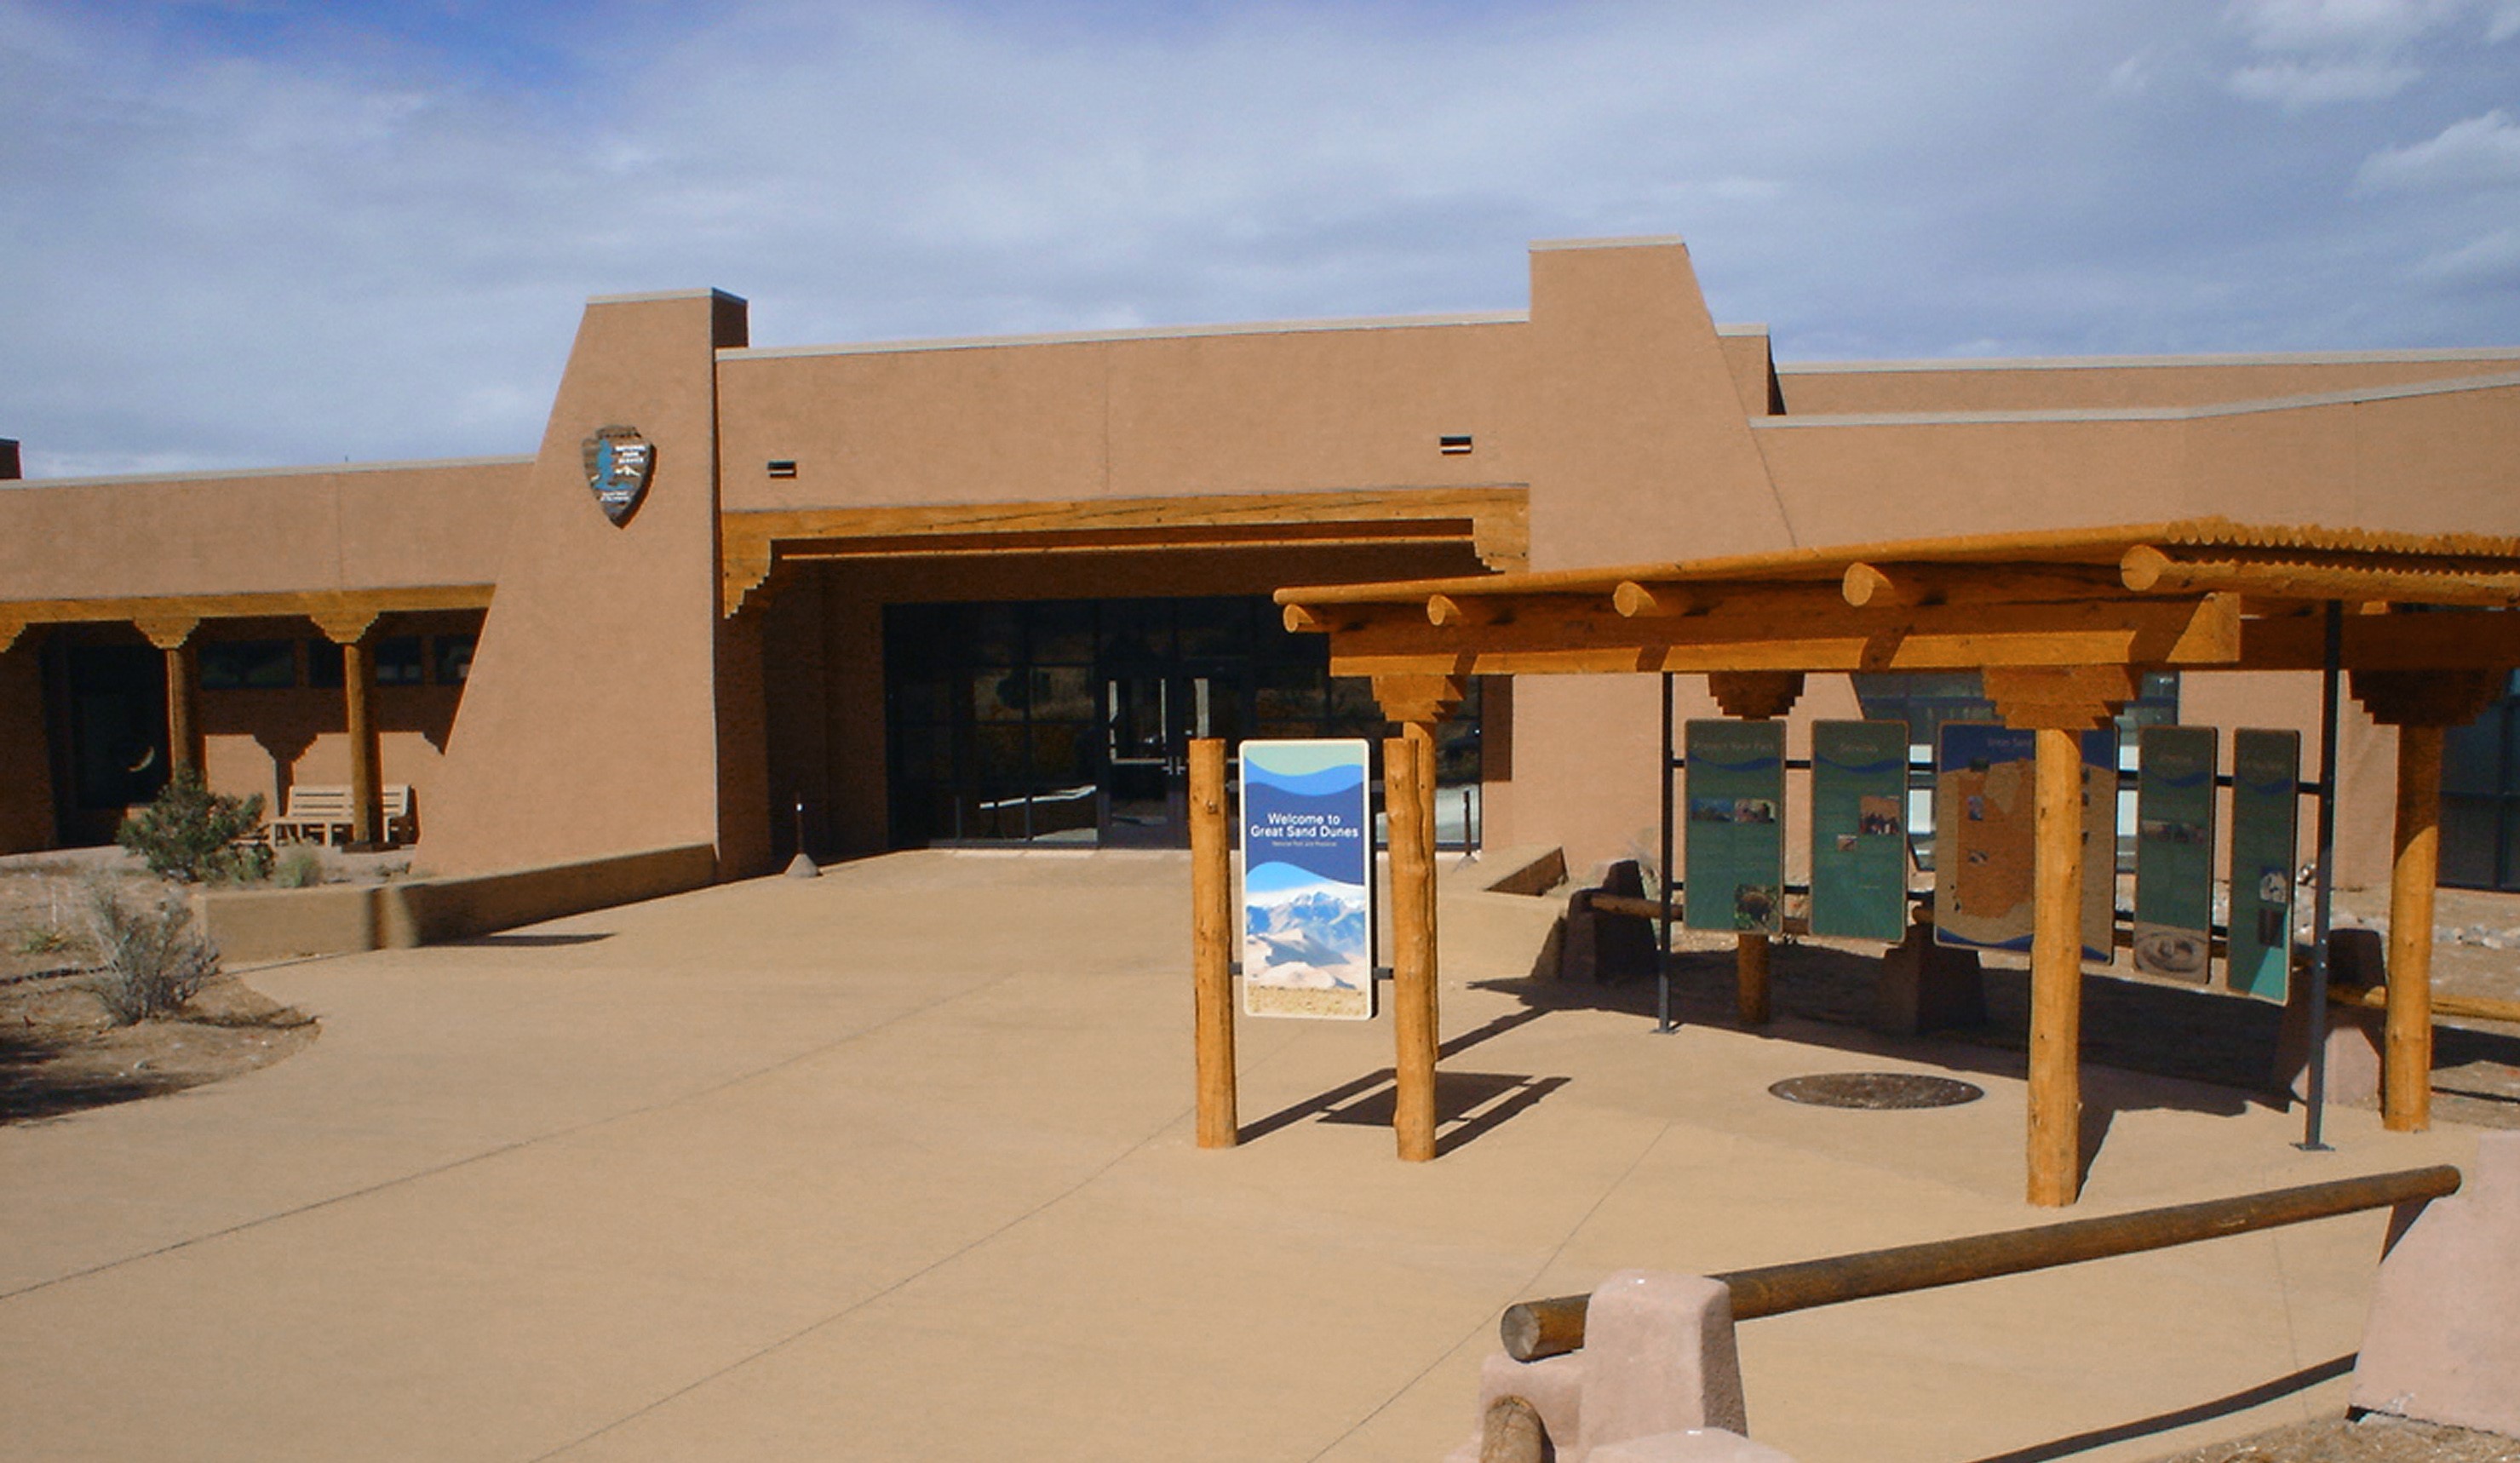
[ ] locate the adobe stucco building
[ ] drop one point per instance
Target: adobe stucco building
(982, 589)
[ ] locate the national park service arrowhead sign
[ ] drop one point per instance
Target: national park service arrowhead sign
(619, 463)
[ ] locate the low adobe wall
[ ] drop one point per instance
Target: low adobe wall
(275, 924)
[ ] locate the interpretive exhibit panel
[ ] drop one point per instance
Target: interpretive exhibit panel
(1985, 837)
(1735, 855)
(2099, 846)
(1306, 879)
(2173, 851)
(2266, 779)
(1858, 836)
(1985, 832)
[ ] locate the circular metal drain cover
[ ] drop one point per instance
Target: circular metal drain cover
(1877, 1089)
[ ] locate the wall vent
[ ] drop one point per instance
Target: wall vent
(1454, 445)
(783, 466)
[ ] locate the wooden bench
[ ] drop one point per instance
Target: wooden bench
(320, 811)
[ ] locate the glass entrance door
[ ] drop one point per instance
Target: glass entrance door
(1149, 720)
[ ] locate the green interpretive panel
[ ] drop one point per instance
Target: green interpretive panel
(2266, 779)
(1735, 855)
(2173, 851)
(1858, 836)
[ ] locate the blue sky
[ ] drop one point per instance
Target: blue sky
(245, 233)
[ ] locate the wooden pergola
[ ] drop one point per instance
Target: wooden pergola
(2061, 625)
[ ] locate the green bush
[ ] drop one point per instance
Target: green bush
(189, 832)
(301, 868)
(150, 962)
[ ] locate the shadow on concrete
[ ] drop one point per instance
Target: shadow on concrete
(2162, 1422)
(1468, 1105)
(2217, 1054)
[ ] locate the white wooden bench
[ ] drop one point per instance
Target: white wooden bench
(320, 811)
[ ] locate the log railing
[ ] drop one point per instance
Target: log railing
(1534, 1329)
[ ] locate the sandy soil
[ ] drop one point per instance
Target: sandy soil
(58, 1052)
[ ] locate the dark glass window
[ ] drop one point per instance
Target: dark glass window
(1023, 720)
(2480, 831)
(248, 665)
(323, 664)
(454, 658)
(398, 660)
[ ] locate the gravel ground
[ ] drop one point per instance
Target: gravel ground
(2376, 1439)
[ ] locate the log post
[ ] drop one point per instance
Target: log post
(1753, 696)
(1412, 949)
(350, 631)
(1416, 703)
(2421, 705)
(2407, 1052)
(2057, 974)
(2058, 703)
(1751, 958)
(174, 636)
(1212, 900)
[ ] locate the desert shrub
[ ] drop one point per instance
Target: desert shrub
(191, 832)
(301, 868)
(150, 962)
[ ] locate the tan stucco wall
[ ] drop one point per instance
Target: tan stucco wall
(313, 529)
(591, 720)
(1642, 452)
(1815, 389)
(2431, 463)
(1638, 428)
(1293, 410)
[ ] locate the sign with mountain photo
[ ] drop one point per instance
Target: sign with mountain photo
(1306, 879)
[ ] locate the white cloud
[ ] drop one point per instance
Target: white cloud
(2490, 261)
(2296, 85)
(227, 252)
(2483, 151)
(2330, 51)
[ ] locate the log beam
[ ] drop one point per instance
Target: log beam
(2151, 569)
(1545, 636)
(1893, 585)
(2482, 639)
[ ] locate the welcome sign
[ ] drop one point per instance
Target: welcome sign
(1306, 879)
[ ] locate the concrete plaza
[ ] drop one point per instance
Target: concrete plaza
(898, 1164)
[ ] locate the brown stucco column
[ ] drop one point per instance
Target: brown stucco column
(350, 631)
(2421, 705)
(1753, 696)
(173, 636)
(2059, 704)
(1416, 703)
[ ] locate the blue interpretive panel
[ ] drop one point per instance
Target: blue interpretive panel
(1306, 879)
